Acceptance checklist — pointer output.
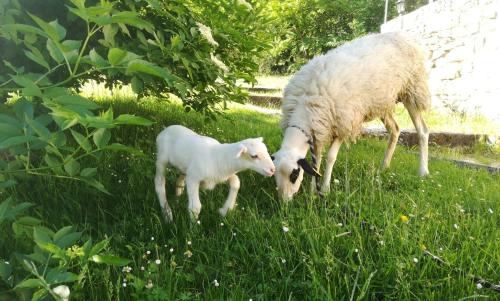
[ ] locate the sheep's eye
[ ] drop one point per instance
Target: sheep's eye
(254, 156)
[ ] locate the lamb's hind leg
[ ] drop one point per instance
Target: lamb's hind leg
(423, 140)
(234, 186)
(179, 185)
(393, 130)
(193, 191)
(160, 190)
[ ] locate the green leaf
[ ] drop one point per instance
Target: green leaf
(88, 172)
(110, 259)
(4, 206)
(137, 85)
(49, 29)
(132, 120)
(39, 294)
(55, 276)
(148, 68)
(76, 100)
(5, 270)
(14, 141)
(22, 28)
(72, 167)
(101, 137)
(82, 141)
(96, 184)
(63, 231)
(97, 60)
(54, 51)
(68, 240)
(41, 236)
(98, 247)
(61, 31)
(51, 161)
(30, 283)
(116, 56)
(36, 56)
(41, 130)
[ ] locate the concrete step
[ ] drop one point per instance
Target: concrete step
(262, 89)
(265, 100)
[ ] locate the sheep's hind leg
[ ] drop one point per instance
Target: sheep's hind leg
(330, 161)
(193, 191)
(234, 186)
(179, 185)
(393, 130)
(423, 140)
(160, 190)
(319, 157)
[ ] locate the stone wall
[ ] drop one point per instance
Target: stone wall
(462, 38)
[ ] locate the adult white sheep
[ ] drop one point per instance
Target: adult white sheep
(330, 97)
(204, 162)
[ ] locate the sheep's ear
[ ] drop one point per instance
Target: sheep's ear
(242, 150)
(272, 157)
(308, 168)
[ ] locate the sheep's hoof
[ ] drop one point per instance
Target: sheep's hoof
(423, 173)
(223, 211)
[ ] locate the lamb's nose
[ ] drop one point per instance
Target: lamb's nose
(271, 170)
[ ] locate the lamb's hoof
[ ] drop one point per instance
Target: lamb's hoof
(179, 191)
(167, 213)
(223, 211)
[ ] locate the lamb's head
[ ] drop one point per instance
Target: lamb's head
(255, 156)
(290, 167)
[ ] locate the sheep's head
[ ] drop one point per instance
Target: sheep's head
(290, 167)
(256, 157)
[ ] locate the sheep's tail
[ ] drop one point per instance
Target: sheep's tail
(415, 95)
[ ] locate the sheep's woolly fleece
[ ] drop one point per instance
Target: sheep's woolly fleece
(336, 92)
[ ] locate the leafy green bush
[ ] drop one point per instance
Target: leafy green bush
(302, 29)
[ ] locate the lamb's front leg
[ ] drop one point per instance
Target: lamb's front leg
(193, 191)
(234, 186)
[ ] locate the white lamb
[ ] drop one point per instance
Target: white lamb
(330, 97)
(204, 162)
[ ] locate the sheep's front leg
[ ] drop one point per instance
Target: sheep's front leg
(330, 161)
(179, 185)
(234, 186)
(193, 191)
(160, 191)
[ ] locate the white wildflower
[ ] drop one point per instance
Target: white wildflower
(206, 32)
(455, 226)
(285, 229)
(490, 210)
(148, 252)
(126, 269)
(188, 254)
(157, 261)
(415, 259)
(381, 242)
(340, 225)
(171, 250)
(62, 291)
(142, 268)
(124, 284)
(356, 250)
(219, 63)
(222, 224)
(152, 238)
(479, 286)
(149, 285)
(198, 222)
(283, 260)
(336, 181)
(189, 242)
(7, 262)
(215, 282)
(234, 233)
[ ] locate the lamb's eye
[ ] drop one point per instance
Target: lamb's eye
(254, 156)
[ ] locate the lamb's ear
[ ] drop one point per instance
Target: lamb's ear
(241, 150)
(308, 168)
(272, 157)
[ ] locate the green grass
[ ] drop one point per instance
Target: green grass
(351, 246)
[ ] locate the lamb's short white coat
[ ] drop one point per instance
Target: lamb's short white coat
(203, 163)
(333, 94)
